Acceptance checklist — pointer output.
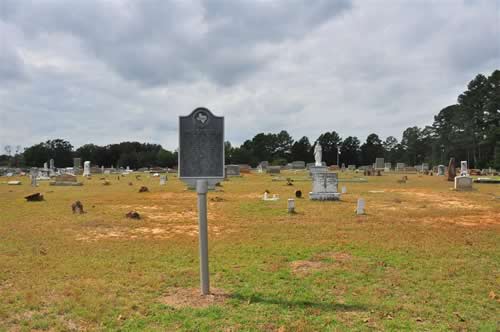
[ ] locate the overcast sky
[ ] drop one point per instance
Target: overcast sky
(109, 71)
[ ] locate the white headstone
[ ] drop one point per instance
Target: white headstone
(441, 170)
(344, 190)
(291, 205)
(463, 168)
(163, 180)
(45, 166)
(463, 183)
(86, 168)
(360, 209)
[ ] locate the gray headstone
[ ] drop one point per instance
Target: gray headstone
(441, 169)
(201, 147)
(274, 169)
(379, 163)
(232, 170)
(325, 187)
(360, 208)
(77, 163)
(298, 164)
(463, 183)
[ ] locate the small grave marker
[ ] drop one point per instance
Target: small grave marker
(360, 209)
(291, 205)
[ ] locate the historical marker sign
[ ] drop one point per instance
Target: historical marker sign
(201, 164)
(201, 147)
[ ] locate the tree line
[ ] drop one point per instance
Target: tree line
(467, 130)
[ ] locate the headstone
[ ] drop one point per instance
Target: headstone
(77, 164)
(245, 168)
(309, 165)
(14, 183)
(451, 170)
(344, 190)
(266, 197)
(86, 168)
(33, 176)
(298, 164)
(351, 167)
(360, 208)
(400, 166)
(342, 167)
(65, 180)
(232, 170)
(387, 167)
(274, 169)
(52, 164)
(163, 180)
(264, 165)
(464, 171)
(291, 205)
(425, 167)
(34, 182)
(379, 163)
(463, 183)
(441, 170)
(45, 166)
(317, 169)
(325, 187)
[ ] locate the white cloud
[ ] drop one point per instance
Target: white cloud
(109, 71)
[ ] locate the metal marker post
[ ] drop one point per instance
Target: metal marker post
(202, 189)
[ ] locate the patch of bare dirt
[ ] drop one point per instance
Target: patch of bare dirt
(336, 256)
(306, 267)
(191, 297)
(151, 231)
(486, 220)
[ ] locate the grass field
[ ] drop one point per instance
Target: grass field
(423, 257)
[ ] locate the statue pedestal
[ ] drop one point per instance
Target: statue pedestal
(317, 169)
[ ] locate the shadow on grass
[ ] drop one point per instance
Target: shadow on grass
(255, 298)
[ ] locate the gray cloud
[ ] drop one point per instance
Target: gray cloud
(106, 71)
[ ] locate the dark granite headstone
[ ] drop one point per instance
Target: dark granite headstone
(452, 170)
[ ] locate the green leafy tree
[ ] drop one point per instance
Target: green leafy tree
(301, 150)
(329, 142)
(371, 149)
(350, 151)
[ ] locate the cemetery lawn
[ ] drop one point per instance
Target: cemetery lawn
(423, 258)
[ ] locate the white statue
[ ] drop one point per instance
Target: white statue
(318, 152)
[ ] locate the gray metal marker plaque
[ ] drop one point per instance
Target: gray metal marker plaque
(201, 165)
(201, 147)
